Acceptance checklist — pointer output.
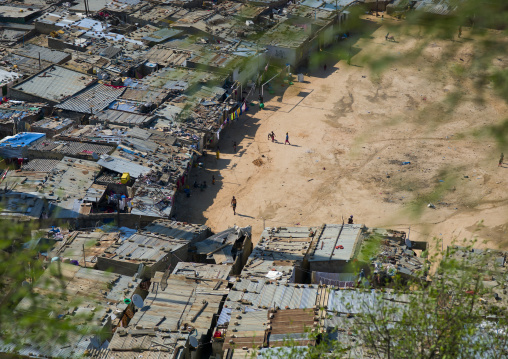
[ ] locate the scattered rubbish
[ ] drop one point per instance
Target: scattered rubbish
(466, 176)
(406, 163)
(310, 180)
(324, 168)
(441, 181)
(430, 205)
(258, 162)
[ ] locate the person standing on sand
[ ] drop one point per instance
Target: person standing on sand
(501, 159)
(272, 135)
(287, 139)
(233, 204)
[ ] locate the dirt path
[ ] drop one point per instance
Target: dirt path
(350, 134)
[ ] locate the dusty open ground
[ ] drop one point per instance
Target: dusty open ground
(350, 132)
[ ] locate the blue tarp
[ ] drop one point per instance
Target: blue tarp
(21, 139)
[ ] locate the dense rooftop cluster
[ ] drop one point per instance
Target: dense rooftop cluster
(107, 106)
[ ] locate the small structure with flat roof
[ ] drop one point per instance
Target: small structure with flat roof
(180, 230)
(53, 149)
(43, 53)
(143, 253)
(202, 270)
(335, 245)
(94, 99)
(52, 126)
(281, 254)
(17, 146)
(52, 85)
(83, 247)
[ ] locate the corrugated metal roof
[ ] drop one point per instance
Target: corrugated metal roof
(67, 185)
(110, 52)
(142, 247)
(46, 54)
(52, 123)
(202, 270)
(173, 309)
(71, 148)
(326, 246)
(55, 83)
(124, 118)
(92, 100)
(259, 294)
(120, 165)
(162, 35)
(77, 281)
(179, 230)
(140, 144)
(40, 165)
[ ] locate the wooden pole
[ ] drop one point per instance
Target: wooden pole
(84, 258)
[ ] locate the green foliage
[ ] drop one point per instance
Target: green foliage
(28, 316)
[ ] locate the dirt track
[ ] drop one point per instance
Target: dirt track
(350, 132)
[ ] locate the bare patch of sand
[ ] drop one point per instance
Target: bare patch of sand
(350, 136)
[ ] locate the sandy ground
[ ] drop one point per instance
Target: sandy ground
(350, 132)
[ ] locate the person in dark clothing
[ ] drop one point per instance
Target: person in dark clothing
(350, 220)
(234, 146)
(233, 204)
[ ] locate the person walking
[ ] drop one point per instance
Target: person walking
(218, 152)
(501, 159)
(213, 179)
(234, 146)
(272, 135)
(287, 139)
(233, 204)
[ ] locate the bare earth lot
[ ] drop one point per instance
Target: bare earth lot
(350, 132)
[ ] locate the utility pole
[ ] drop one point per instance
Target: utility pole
(84, 258)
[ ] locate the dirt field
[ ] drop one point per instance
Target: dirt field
(350, 133)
